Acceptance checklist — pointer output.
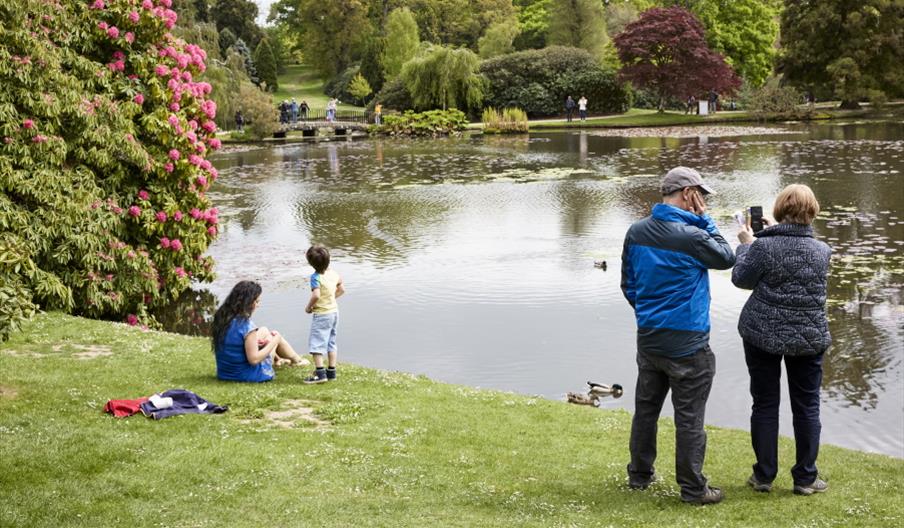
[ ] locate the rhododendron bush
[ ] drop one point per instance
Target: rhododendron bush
(103, 167)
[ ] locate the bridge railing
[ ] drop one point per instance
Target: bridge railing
(318, 115)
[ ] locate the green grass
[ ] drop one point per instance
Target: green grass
(302, 83)
(636, 117)
(400, 451)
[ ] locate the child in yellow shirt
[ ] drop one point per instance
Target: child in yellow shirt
(326, 287)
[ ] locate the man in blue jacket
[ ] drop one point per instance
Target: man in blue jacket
(665, 265)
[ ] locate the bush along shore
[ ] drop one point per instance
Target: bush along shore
(373, 448)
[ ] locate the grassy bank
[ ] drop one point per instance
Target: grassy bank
(301, 82)
(389, 449)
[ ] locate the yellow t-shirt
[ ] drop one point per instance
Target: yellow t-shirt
(327, 283)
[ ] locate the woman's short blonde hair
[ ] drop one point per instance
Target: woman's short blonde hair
(796, 204)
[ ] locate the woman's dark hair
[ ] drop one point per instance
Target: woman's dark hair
(239, 303)
(318, 257)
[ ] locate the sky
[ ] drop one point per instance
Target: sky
(263, 7)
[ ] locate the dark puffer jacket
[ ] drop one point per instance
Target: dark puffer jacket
(787, 270)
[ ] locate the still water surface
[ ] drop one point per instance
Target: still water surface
(472, 260)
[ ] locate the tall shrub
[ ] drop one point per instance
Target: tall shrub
(538, 81)
(402, 41)
(102, 165)
(265, 63)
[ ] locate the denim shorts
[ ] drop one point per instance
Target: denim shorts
(323, 333)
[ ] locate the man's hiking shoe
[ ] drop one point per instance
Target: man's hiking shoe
(817, 486)
(318, 376)
(331, 374)
(641, 485)
(710, 496)
(764, 487)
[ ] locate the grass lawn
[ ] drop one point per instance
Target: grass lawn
(636, 117)
(301, 82)
(394, 450)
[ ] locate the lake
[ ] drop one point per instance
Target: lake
(471, 260)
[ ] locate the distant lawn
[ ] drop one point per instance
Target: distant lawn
(302, 83)
(382, 449)
(636, 117)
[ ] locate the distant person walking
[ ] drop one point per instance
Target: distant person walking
(303, 110)
(283, 112)
(713, 101)
(239, 121)
(569, 108)
(293, 108)
(784, 320)
(582, 108)
(378, 114)
(331, 109)
(691, 105)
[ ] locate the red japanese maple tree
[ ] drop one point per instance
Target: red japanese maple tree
(665, 51)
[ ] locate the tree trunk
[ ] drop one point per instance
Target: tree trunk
(850, 105)
(661, 104)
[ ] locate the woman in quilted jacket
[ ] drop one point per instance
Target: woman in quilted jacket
(785, 320)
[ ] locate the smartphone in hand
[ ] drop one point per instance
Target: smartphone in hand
(756, 218)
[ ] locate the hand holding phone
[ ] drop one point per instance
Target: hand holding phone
(756, 218)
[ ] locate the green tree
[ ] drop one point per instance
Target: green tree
(848, 49)
(745, 32)
(579, 24)
(619, 15)
(242, 49)
(360, 88)
(444, 77)
(239, 16)
(402, 41)
(458, 22)
(226, 40)
(533, 19)
(331, 34)
(498, 39)
(265, 63)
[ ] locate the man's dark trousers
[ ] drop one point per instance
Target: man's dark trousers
(690, 379)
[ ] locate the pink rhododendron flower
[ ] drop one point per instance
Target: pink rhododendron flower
(169, 167)
(118, 54)
(143, 194)
(164, 242)
(202, 181)
(134, 210)
(174, 154)
(39, 139)
(176, 245)
(98, 4)
(134, 16)
(179, 271)
(117, 210)
(209, 126)
(177, 216)
(132, 319)
(206, 165)
(167, 3)
(215, 143)
(173, 120)
(130, 254)
(160, 216)
(161, 70)
(147, 4)
(103, 25)
(195, 213)
(7, 140)
(174, 107)
(113, 32)
(213, 173)
(28, 123)
(212, 231)
(194, 159)
(130, 37)
(192, 124)
(109, 276)
(139, 99)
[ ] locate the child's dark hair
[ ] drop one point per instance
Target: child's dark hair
(318, 257)
(239, 303)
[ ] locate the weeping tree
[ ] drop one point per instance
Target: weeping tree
(444, 77)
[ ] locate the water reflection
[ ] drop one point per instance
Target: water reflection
(470, 260)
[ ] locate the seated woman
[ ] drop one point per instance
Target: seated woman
(245, 352)
(784, 320)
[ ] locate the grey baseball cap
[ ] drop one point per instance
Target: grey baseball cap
(681, 177)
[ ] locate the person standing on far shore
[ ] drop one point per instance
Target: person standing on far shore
(569, 108)
(582, 108)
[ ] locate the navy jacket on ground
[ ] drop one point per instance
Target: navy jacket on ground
(664, 276)
(787, 269)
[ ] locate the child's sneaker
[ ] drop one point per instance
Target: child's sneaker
(318, 376)
(331, 374)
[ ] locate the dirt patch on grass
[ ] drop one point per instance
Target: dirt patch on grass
(19, 353)
(8, 392)
(79, 351)
(293, 413)
(91, 351)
